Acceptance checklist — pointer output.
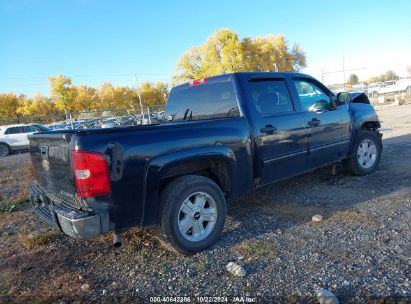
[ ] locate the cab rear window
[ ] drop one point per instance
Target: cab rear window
(204, 101)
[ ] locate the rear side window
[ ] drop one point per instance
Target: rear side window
(204, 101)
(18, 130)
(270, 96)
(37, 128)
(14, 130)
(26, 129)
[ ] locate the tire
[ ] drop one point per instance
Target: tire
(4, 150)
(366, 153)
(192, 214)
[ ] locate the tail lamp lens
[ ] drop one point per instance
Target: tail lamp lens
(91, 174)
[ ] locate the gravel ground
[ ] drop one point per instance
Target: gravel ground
(361, 250)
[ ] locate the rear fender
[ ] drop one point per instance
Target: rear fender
(184, 162)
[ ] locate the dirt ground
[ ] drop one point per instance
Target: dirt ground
(361, 251)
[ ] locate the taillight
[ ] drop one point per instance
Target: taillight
(198, 81)
(91, 174)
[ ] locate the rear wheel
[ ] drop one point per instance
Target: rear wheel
(192, 216)
(366, 155)
(4, 150)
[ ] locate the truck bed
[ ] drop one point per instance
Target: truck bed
(135, 156)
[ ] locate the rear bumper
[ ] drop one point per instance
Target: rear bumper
(76, 223)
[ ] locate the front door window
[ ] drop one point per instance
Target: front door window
(312, 97)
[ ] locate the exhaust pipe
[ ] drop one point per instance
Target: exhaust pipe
(117, 241)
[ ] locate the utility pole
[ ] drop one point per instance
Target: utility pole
(343, 67)
(141, 104)
(139, 96)
(343, 71)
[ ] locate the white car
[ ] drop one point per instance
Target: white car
(390, 87)
(14, 137)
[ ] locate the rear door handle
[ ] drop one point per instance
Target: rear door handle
(269, 129)
(314, 122)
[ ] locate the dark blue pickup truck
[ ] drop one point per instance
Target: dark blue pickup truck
(223, 136)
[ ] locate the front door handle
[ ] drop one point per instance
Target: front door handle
(269, 129)
(314, 122)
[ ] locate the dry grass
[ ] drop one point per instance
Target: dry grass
(33, 241)
(253, 250)
(30, 271)
(7, 207)
(296, 212)
(201, 263)
(14, 185)
(350, 217)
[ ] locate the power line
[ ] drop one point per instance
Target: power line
(85, 76)
(88, 83)
(343, 71)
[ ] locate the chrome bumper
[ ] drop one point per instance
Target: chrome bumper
(76, 223)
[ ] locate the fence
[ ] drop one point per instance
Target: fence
(93, 119)
(13, 139)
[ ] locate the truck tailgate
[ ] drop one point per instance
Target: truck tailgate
(50, 156)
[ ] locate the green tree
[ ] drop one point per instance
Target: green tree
(225, 52)
(353, 79)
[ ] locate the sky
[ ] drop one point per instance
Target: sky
(95, 41)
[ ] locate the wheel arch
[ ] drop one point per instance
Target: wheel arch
(7, 145)
(217, 163)
(370, 123)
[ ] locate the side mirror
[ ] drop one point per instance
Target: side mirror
(343, 98)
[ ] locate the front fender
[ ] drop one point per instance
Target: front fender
(362, 114)
(159, 166)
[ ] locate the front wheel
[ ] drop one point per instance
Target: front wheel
(366, 155)
(192, 215)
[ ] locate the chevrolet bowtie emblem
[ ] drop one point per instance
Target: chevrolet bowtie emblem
(46, 165)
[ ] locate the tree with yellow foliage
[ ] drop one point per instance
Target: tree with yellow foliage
(153, 93)
(36, 106)
(225, 52)
(63, 93)
(86, 98)
(9, 105)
